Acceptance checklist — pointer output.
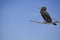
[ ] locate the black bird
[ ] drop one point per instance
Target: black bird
(45, 15)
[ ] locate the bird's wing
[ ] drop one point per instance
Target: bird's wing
(45, 22)
(40, 22)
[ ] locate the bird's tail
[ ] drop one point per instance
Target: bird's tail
(54, 24)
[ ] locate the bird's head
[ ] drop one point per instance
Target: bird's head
(43, 8)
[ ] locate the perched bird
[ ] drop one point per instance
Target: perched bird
(45, 15)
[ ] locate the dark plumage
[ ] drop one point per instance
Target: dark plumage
(45, 15)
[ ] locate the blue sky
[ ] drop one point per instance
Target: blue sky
(15, 18)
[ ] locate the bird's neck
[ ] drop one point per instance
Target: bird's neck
(43, 11)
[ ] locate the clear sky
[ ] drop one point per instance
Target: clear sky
(15, 16)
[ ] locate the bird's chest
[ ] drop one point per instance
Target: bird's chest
(46, 17)
(43, 12)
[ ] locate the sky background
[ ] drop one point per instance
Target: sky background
(15, 16)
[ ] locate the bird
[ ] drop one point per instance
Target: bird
(45, 15)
